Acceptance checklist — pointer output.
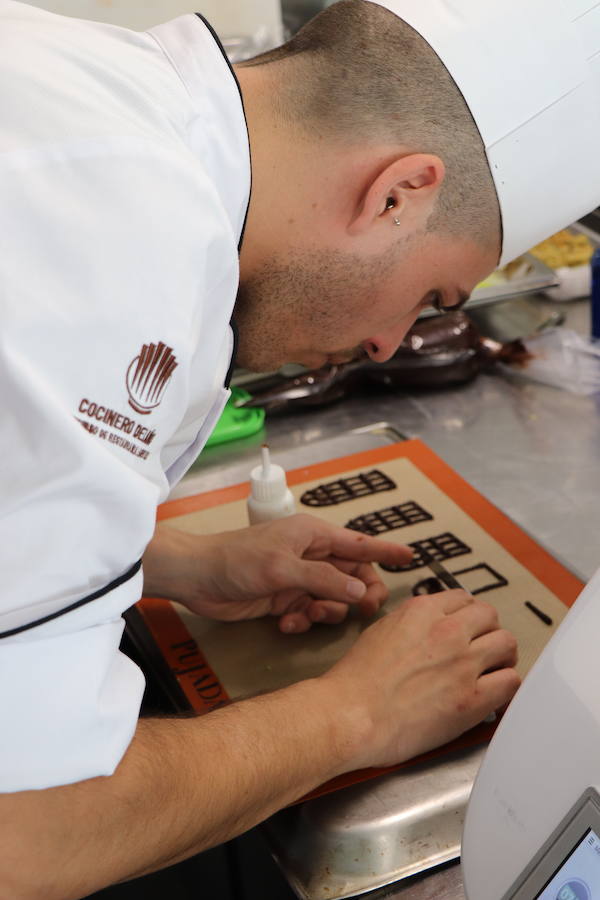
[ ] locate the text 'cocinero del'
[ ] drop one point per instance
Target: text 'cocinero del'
(117, 420)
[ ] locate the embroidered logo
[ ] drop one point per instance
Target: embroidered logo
(148, 376)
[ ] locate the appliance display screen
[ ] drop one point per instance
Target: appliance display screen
(578, 878)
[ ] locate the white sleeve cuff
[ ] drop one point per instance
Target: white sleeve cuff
(70, 705)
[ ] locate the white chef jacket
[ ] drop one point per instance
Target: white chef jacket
(124, 186)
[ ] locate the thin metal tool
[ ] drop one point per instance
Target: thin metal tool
(441, 572)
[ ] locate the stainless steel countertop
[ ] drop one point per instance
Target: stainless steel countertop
(531, 449)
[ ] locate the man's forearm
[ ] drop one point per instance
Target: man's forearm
(184, 785)
(171, 562)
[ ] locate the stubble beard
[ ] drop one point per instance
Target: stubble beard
(301, 310)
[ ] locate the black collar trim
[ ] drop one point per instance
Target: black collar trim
(234, 329)
(231, 69)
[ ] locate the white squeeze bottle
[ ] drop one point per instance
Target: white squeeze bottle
(270, 497)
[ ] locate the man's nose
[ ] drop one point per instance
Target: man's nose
(383, 346)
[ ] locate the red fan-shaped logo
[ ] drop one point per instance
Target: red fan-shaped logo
(148, 376)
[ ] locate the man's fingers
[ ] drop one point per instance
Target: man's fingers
(496, 650)
(349, 544)
(308, 611)
(377, 592)
(328, 581)
(328, 612)
(477, 618)
(295, 621)
(497, 689)
(349, 566)
(325, 581)
(452, 601)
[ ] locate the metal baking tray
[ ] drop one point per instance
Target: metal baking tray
(376, 833)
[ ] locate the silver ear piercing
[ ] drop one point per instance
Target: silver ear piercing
(390, 204)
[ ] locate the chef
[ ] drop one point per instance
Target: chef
(319, 197)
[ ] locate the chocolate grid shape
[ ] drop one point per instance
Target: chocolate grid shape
(441, 547)
(344, 489)
(391, 517)
(431, 585)
(500, 580)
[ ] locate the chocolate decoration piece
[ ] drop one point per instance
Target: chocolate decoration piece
(390, 518)
(442, 546)
(427, 586)
(538, 612)
(437, 351)
(334, 492)
(499, 580)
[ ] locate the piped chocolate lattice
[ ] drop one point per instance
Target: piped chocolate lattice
(391, 517)
(344, 489)
(494, 579)
(481, 578)
(441, 547)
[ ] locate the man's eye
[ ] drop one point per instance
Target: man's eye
(437, 302)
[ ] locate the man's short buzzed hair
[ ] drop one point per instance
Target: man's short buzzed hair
(358, 73)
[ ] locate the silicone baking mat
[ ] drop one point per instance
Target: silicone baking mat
(405, 492)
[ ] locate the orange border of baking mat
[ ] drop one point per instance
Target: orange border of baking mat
(197, 679)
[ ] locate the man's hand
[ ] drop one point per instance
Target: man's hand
(299, 568)
(415, 679)
(423, 675)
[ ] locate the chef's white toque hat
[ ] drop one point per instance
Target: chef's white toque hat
(529, 71)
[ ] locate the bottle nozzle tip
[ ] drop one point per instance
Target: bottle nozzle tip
(266, 459)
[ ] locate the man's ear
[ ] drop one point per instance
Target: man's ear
(407, 187)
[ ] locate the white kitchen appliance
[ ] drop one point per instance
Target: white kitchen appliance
(532, 830)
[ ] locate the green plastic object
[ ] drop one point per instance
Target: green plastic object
(236, 423)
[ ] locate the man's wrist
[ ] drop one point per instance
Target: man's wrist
(172, 563)
(346, 721)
